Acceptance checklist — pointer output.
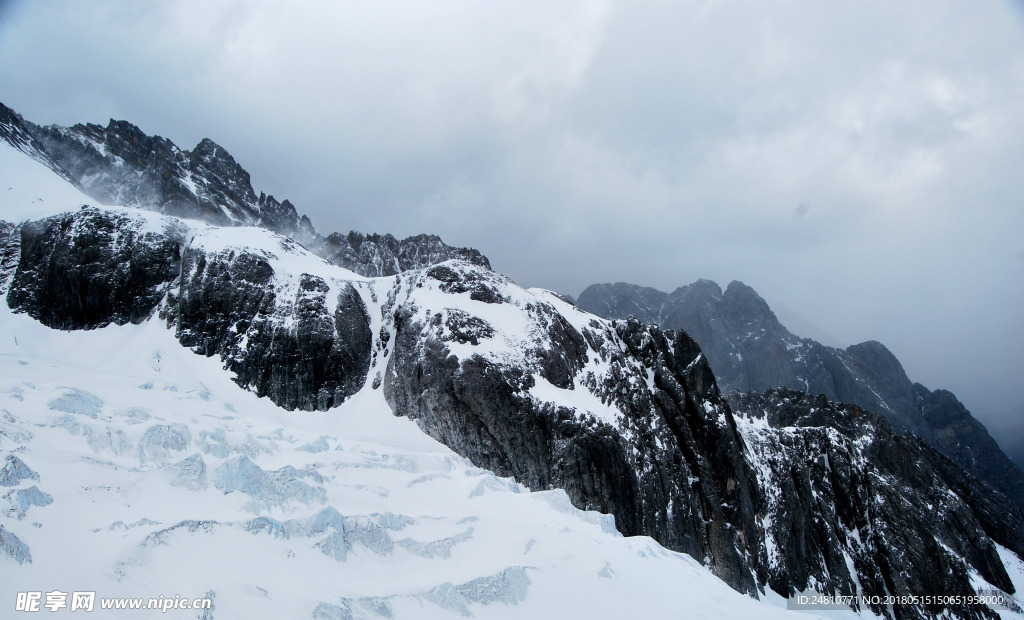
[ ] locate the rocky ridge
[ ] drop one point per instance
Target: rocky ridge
(121, 165)
(750, 350)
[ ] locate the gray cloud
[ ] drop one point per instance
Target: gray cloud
(653, 142)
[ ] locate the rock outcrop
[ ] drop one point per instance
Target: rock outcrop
(668, 463)
(303, 340)
(384, 255)
(853, 507)
(91, 268)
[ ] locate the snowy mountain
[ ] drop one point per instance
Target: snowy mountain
(121, 165)
(750, 350)
(218, 411)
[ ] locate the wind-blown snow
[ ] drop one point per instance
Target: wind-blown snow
(286, 257)
(30, 190)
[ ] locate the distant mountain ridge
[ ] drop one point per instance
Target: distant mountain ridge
(122, 165)
(750, 350)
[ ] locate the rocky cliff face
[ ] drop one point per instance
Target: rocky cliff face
(854, 507)
(384, 255)
(750, 350)
(121, 165)
(625, 418)
(14, 131)
(301, 339)
(10, 253)
(91, 268)
(488, 368)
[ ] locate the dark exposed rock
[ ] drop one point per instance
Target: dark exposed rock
(674, 471)
(463, 327)
(567, 353)
(750, 350)
(956, 433)
(845, 490)
(454, 282)
(121, 165)
(10, 253)
(384, 255)
(94, 267)
(621, 300)
(91, 268)
(227, 183)
(815, 495)
(229, 306)
(16, 131)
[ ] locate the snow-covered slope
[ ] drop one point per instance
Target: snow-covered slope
(157, 475)
(30, 190)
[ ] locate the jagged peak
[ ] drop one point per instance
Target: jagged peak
(17, 132)
(12, 128)
(702, 288)
(10, 119)
(129, 129)
(737, 289)
(623, 298)
(209, 151)
(877, 356)
(870, 345)
(206, 145)
(622, 288)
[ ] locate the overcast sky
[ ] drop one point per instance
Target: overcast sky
(859, 162)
